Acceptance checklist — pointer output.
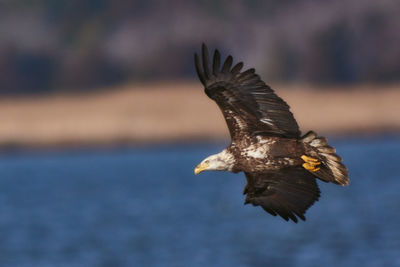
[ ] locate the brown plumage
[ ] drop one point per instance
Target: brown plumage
(281, 167)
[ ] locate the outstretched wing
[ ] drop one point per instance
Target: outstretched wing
(288, 192)
(247, 103)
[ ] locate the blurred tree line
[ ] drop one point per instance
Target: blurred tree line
(50, 45)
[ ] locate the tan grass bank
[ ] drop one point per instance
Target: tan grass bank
(161, 112)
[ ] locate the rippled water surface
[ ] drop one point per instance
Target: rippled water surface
(144, 207)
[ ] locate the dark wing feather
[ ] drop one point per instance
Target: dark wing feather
(247, 103)
(288, 192)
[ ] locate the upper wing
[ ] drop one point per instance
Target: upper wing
(247, 103)
(288, 192)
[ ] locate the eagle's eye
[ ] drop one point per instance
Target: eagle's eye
(207, 161)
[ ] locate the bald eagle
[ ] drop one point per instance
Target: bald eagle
(280, 165)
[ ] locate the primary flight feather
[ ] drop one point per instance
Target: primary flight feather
(280, 165)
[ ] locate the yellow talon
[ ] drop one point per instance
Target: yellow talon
(308, 159)
(310, 163)
(310, 167)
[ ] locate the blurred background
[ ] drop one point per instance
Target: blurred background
(102, 119)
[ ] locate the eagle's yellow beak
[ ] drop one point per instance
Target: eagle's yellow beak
(201, 167)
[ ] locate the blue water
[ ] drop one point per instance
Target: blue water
(144, 207)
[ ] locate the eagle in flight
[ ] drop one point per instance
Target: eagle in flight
(280, 165)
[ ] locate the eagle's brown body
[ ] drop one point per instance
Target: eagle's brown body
(280, 165)
(258, 154)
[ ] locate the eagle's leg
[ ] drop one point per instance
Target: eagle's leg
(310, 163)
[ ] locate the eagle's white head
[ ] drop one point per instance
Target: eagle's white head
(223, 161)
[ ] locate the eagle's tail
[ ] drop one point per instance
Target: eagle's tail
(322, 160)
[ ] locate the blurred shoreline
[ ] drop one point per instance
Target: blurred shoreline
(165, 112)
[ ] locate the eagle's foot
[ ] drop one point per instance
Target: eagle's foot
(310, 163)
